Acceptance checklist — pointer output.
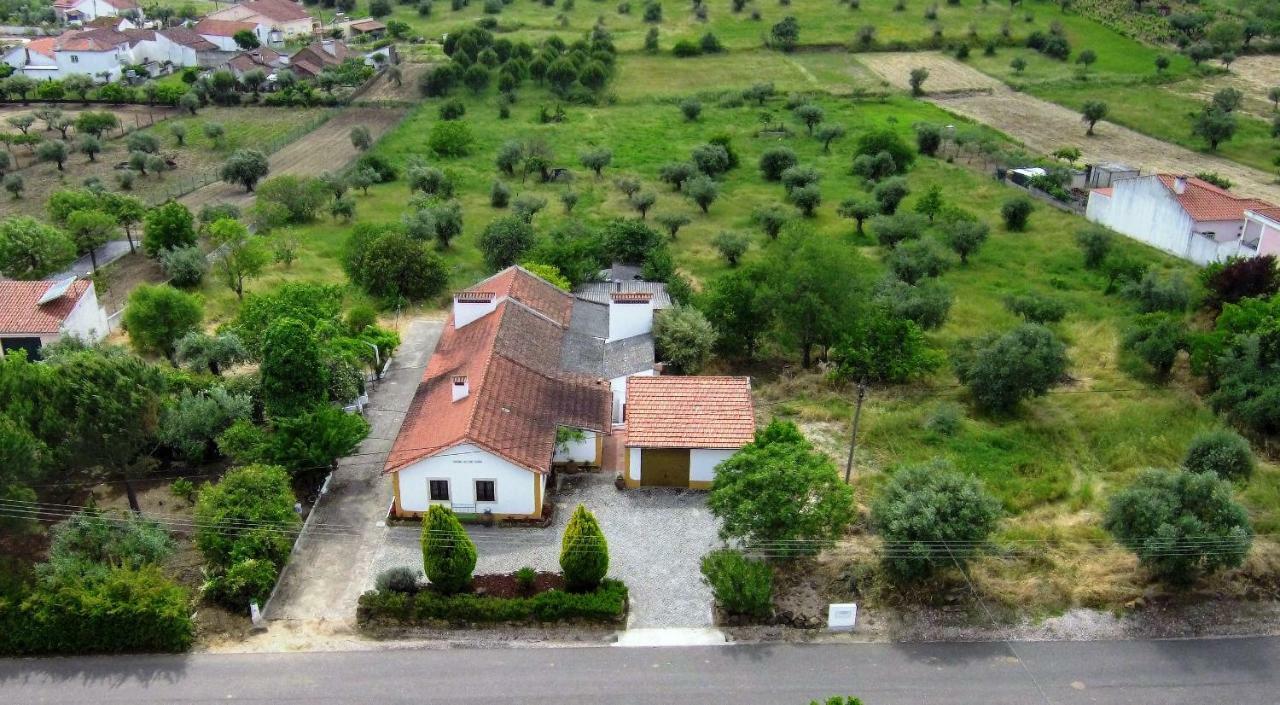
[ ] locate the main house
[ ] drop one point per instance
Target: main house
(36, 313)
(526, 377)
(89, 10)
(1182, 215)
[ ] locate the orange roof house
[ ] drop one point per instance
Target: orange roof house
(680, 428)
(35, 313)
(1182, 215)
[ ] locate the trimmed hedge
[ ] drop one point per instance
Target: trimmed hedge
(127, 611)
(608, 603)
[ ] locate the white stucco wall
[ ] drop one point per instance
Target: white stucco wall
(633, 464)
(618, 385)
(583, 451)
(1144, 210)
(703, 462)
(630, 319)
(461, 465)
(90, 62)
(1223, 230)
(223, 43)
(87, 321)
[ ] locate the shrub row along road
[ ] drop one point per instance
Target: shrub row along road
(1044, 127)
(326, 148)
(1237, 671)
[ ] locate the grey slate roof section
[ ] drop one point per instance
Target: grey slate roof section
(584, 350)
(598, 292)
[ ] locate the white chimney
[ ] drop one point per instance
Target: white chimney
(630, 314)
(1180, 185)
(460, 387)
(470, 305)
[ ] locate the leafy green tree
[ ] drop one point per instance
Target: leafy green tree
(809, 115)
(596, 160)
(736, 307)
(316, 438)
(672, 222)
(248, 514)
(395, 265)
(893, 230)
(732, 246)
(1214, 125)
(1002, 370)
(55, 151)
(1096, 242)
(926, 509)
(89, 146)
(192, 421)
(158, 315)
(703, 191)
(965, 236)
(1016, 211)
(201, 351)
(740, 586)
(627, 240)
(505, 241)
(1156, 292)
(889, 194)
(917, 78)
(1222, 452)
(684, 338)
(881, 347)
(245, 167)
(781, 494)
(448, 555)
(109, 413)
(775, 160)
(1180, 524)
(32, 250)
(294, 378)
(785, 35)
(1092, 112)
(1156, 339)
(925, 303)
(584, 552)
(166, 227)
(931, 203)
(90, 229)
(301, 198)
(243, 256)
(89, 544)
(813, 284)
(827, 134)
(185, 266)
(677, 174)
(916, 259)
(858, 210)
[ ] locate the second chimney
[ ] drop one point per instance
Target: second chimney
(460, 387)
(1180, 185)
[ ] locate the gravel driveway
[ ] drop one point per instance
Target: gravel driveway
(656, 539)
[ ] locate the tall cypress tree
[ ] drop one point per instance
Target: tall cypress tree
(584, 553)
(448, 555)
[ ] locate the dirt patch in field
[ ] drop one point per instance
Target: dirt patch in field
(132, 117)
(945, 74)
(1044, 127)
(326, 148)
(1251, 75)
(385, 90)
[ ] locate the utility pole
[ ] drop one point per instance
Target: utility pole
(853, 437)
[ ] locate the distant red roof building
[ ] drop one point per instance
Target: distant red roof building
(223, 28)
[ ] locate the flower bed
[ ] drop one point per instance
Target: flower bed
(606, 604)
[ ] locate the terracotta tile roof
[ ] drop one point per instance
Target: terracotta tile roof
(367, 26)
(518, 396)
(532, 291)
(92, 40)
(278, 10)
(262, 57)
(19, 312)
(1271, 212)
(689, 412)
(1204, 201)
(222, 28)
(189, 38)
(43, 46)
(1104, 191)
(122, 4)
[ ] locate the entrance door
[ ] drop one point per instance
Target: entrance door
(664, 467)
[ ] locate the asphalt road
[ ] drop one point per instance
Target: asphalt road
(1234, 671)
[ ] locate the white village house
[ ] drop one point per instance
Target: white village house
(279, 20)
(36, 313)
(1262, 230)
(526, 377)
(1182, 215)
(89, 10)
(101, 53)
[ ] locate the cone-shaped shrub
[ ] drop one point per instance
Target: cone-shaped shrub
(448, 555)
(584, 554)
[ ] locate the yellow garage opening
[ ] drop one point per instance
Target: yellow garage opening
(664, 467)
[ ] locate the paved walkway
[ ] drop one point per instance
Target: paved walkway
(656, 536)
(83, 267)
(329, 567)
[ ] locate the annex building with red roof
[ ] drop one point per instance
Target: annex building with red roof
(1182, 215)
(36, 313)
(524, 379)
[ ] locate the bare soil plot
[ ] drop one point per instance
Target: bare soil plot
(1251, 75)
(1044, 127)
(131, 116)
(327, 148)
(385, 90)
(945, 74)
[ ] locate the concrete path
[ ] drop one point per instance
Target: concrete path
(108, 253)
(1196, 672)
(329, 567)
